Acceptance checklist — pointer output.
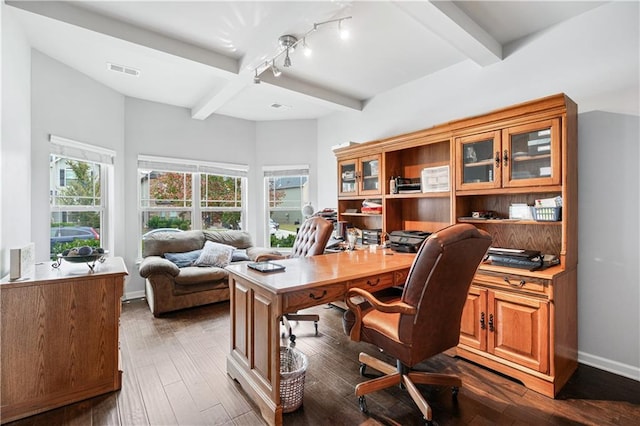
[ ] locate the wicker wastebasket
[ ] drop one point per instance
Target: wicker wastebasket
(293, 365)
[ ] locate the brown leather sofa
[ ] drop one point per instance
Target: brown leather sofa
(170, 287)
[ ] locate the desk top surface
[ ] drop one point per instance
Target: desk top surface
(306, 272)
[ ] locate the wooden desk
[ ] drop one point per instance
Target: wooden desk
(259, 300)
(59, 337)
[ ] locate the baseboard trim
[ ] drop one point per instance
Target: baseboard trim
(134, 295)
(624, 370)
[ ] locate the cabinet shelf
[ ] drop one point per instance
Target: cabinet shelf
(486, 162)
(446, 194)
(508, 221)
(362, 214)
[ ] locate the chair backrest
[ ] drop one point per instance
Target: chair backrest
(437, 285)
(312, 237)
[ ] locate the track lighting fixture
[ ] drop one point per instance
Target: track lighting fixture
(288, 44)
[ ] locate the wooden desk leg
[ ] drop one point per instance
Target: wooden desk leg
(254, 358)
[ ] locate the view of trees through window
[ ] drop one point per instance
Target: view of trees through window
(76, 204)
(186, 200)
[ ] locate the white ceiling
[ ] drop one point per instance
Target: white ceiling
(202, 55)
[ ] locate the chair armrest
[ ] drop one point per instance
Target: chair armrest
(259, 254)
(394, 307)
(157, 265)
(389, 308)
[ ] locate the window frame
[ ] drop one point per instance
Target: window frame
(196, 169)
(73, 150)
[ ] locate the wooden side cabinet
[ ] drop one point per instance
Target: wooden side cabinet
(511, 323)
(60, 337)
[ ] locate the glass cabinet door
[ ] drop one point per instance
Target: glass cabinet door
(531, 154)
(370, 175)
(347, 177)
(478, 159)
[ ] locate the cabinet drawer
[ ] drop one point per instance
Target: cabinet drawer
(374, 282)
(513, 281)
(312, 297)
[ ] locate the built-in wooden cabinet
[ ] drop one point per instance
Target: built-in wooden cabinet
(518, 322)
(525, 155)
(60, 336)
(360, 176)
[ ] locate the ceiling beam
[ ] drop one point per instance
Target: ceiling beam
(320, 95)
(450, 23)
(66, 12)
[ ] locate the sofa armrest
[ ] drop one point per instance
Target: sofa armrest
(258, 254)
(157, 265)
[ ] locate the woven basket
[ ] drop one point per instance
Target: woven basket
(293, 366)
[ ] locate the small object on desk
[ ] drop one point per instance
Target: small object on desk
(266, 266)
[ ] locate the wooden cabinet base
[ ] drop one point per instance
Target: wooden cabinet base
(541, 383)
(60, 337)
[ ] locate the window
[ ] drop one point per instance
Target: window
(186, 194)
(286, 190)
(78, 188)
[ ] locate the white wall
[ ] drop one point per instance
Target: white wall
(15, 147)
(608, 289)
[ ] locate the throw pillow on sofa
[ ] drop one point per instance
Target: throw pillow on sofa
(215, 254)
(183, 259)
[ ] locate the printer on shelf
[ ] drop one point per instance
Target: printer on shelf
(407, 241)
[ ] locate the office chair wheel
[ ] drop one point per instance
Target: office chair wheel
(363, 368)
(362, 403)
(454, 392)
(315, 324)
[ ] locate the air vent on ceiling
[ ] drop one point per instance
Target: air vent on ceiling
(278, 106)
(122, 69)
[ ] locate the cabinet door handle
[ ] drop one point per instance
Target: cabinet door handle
(519, 285)
(491, 323)
(314, 297)
(505, 158)
(369, 283)
(497, 158)
(482, 321)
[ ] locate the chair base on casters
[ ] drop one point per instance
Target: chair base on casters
(299, 317)
(396, 376)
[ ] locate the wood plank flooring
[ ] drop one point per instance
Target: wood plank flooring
(175, 374)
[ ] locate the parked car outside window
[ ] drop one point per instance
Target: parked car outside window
(273, 226)
(67, 234)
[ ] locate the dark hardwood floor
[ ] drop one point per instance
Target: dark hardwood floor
(175, 374)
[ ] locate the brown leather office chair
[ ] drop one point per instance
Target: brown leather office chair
(311, 240)
(424, 320)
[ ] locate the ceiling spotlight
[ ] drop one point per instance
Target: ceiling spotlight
(256, 79)
(343, 31)
(306, 50)
(287, 60)
(276, 71)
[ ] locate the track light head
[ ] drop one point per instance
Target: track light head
(256, 79)
(343, 31)
(276, 71)
(306, 50)
(287, 60)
